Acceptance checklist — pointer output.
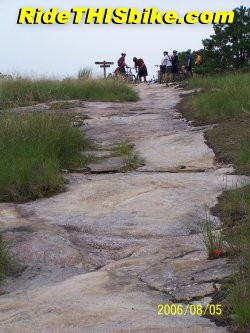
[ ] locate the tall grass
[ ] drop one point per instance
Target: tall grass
(33, 149)
(8, 264)
(21, 91)
(212, 239)
(5, 260)
(224, 96)
(231, 142)
(239, 296)
(85, 73)
(234, 211)
(225, 100)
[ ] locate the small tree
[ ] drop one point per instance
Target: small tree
(229, 47)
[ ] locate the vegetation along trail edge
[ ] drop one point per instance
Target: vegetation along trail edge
(103, 255)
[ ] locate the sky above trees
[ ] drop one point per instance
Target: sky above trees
(61, 50)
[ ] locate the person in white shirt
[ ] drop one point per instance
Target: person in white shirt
(168, 68)
(163, 67)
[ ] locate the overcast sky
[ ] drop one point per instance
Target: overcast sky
(60, 50)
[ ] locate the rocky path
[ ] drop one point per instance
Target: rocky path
(101, 256)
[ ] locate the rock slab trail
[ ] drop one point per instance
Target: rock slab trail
(101, 256)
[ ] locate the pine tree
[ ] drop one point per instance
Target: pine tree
(229, 47)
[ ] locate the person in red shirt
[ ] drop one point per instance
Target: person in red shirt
(121, 63)
(141, 68)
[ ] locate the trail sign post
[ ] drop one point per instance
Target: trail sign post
(104, 64)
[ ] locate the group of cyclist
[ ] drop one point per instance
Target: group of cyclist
(169, 67)
(139, 66)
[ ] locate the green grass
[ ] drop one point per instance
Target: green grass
(23, 92)
(123, 148)
(85, 73)
(7, 264)
(233, 209)
(131, 159)
(4, 260)
(212, 239)
(239, 297)
(223, 97)
(33, 148)
(62, 105)
(231, 142)
(225, 100)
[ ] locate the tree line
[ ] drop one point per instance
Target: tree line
(229, 47)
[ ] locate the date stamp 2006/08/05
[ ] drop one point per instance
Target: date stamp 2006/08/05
(189, 309)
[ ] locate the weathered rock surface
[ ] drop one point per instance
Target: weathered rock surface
(102, 256)
(110, 164)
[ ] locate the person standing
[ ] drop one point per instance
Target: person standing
(198, 58)
(188, 64)
(163, 67)
(141, 68)
(198, 68)
(168, 68)
(175, 61)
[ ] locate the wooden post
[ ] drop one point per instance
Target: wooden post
(104, 64)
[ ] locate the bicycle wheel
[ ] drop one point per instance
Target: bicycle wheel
(181, 76)
(130, 77)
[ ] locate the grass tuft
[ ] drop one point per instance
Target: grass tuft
(213, 240)
(123, 148)
(85, 73)
(7, 264)
(33, 148)
(131, 161)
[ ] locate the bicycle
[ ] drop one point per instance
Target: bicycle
(126, 76)
(180, 76)
(159, 75)
(129, 76)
